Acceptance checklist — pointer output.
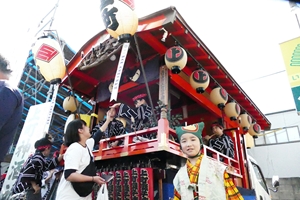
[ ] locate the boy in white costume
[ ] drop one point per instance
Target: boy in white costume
(201, 177)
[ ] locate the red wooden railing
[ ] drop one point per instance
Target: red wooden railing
(161, 142)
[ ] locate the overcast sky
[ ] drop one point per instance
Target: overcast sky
(243, 34)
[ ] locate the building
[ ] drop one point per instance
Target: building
(276, 151)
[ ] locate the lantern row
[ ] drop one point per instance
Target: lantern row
(50, 61)
(176, 60)
(121, 22)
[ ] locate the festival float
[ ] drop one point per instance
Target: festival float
(185, 83)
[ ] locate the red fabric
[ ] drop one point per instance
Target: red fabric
(43, 147)
(3, 176)
(140, 96)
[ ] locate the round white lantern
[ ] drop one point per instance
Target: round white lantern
(219, 97)
(232, 110)
(49, 59)
(175, 59)
(119, 18)
(69, 103)
(245, 121)
(254, 129)
(199, 80)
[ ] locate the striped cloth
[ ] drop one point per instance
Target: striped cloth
(140, 114)
(32, 170)
(115, 128)
(232, 192)
(223, 144)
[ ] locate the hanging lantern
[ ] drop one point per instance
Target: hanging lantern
(49, 59)
(254, 129)
(219, 97)
(232, 110)
(249, 141)
(119, 18)
(199, 80)
(69, 103)
(245, 121)
(110, 86)
(175, 59)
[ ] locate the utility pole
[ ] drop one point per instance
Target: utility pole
(294, 7)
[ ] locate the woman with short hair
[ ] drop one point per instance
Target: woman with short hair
(79, 174)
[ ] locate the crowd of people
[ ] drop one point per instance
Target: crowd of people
(40, 175)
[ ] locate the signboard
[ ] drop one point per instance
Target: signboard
(115, 89)
(36, 123)
(291, 55)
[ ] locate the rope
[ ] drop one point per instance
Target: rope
(145, 78)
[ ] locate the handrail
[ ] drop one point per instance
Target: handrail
(232, 164)
(152, 145)
(131, 147)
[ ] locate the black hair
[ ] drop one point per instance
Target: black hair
(71, 134)
(217, 123)
(43, 142)
(4, 65)
(135, 101)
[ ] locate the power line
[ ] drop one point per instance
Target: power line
(263, 76)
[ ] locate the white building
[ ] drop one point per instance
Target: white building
(277, 153)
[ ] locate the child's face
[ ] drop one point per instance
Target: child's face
(217, 131)
(190, 144)
(47, 152)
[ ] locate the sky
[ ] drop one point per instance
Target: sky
(244, 35)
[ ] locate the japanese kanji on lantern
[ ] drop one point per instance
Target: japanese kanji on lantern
(175, 59)
(49, 59)
(121, 22)
(199, 80)
(119, 18)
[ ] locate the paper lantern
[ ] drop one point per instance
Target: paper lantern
(249, 141)
(245, 121)
(254, 129)
(49, 59)
(175, 59)
(110, 86)
(119, 18)
(219, 97)
(232, 110)
(69, 103)
(199, 80)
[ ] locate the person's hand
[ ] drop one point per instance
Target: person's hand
(208, 137)
(114, 144)
(36, 188)
(116, 105)
(98, 180)
(109, 115)
(60, 157)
